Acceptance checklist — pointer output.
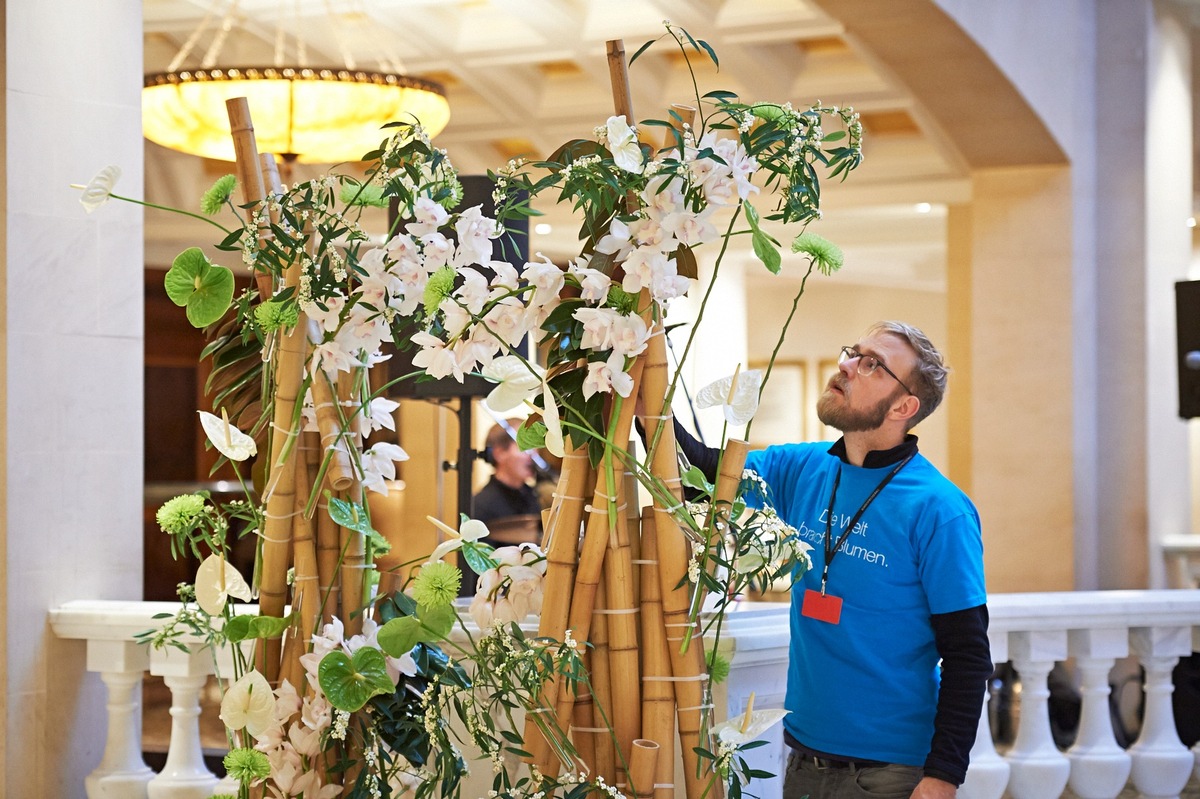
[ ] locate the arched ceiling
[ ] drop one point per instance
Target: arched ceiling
(523, 76)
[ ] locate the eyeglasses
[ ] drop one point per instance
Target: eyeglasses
(867, 364)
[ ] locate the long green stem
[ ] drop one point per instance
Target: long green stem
(180, 211)
(779, 343)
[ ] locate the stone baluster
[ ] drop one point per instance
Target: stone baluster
(1161, 763)
(1099, 766)
(1196, 748)
(122, 774)
(988, 773)
(184, 776)
(1039, 770)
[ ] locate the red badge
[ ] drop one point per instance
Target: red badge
(826, 608)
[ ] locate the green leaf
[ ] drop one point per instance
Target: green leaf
(639, 51)
(834, 136)
(767, 252)
(694, 478)
(205, 289)
(349, 682)
(531, 436)
(400, 635)
(242, 628)
(438, 622)
(352, 516)
(478, 556)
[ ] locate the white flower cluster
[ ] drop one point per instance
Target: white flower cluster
(512, 590)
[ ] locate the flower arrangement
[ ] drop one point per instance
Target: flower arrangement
(369, 687)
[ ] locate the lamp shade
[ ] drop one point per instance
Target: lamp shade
(316, 115)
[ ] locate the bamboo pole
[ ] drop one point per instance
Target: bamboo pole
(340, 473)
(658, 696)
(642, 768)
(561, 539)
(725, 491)
(279, 493)
(626, 716)
(354, 564)
(605, 763)
(245, 148)
(305, 591)
(583, 719)
(328, 541)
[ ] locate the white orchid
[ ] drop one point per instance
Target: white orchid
(229, 441)
(517, 383)
(99, 188)
(471, 530)
(216, 581)
(605, 376)
(737, 395)
(379, 466)
(249, 703)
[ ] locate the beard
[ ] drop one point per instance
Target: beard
(848, 420)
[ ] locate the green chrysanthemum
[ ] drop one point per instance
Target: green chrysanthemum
(449, 194)
(218, 195)
(271, 316)
(718, 668)
(247, 765)
(437, 584)
(176, 516)
(438, 288)
(826, 255)
(363, 194)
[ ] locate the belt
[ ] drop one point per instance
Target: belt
(823, 763)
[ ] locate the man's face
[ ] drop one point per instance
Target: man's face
(512, 463)
(856, 403)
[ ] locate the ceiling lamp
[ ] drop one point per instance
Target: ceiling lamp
(308, 114)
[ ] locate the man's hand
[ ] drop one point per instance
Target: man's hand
(933, 788)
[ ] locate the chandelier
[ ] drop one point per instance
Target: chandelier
(302, 113)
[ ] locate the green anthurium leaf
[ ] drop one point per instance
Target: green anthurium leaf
(349, 515)
(242, 628)
(203, 287)
(531, 436)
(438, 622)
(399, 635)
(349, 682)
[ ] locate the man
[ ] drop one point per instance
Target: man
(509, 492)
(896, 585)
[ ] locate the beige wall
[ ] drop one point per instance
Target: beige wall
(72, 328)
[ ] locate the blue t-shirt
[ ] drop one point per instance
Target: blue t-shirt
(866, 688)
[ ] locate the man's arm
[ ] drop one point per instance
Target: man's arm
(962, 642)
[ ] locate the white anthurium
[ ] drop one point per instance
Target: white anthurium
(99, 189)
(748, 726)
(249, 703)
(554, 434)
(623, 144)
(471, 530)
(737, 395)
(229, 441)
(517, 383)
(216, 581)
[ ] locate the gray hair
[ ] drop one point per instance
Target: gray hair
(929, 375)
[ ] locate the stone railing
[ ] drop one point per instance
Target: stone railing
(1034, 631)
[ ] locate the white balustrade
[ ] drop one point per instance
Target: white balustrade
(1034, 631)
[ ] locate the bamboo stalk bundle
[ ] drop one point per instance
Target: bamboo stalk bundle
(279, 493)
(642, 768)
(583, 719)
(561, 539)
(658, 695)
(605, 763)
(387, 516)
(633, 524)
(599, 532)
(340, 474)
(245, 148)
(626, 716)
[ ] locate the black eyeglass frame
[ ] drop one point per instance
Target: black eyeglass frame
(849, 354)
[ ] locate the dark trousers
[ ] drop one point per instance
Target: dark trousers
(818, 780)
